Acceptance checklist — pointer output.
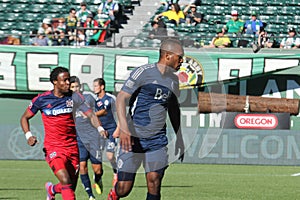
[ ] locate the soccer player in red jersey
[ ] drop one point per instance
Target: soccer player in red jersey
(60, 144)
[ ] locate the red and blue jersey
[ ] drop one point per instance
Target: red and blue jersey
(57, 116)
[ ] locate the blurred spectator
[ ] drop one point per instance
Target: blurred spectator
(40, 39)
(234, 25)
(82, 14)
(92, 35)
(191, 15)
(175, 15)
(71, 20)
(291, 41)
(10, 40)
(107, 10)
(46, 27)
(59, 39)
(264, 40)
(220, 41)
(47, 30)
(61, 27)
(80, 39)
(71, 24)
(159, 30)
(167, 4)
(253, 26)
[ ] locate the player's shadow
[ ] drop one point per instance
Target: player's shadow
(166, 186)
(19, 189)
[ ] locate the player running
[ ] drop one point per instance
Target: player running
(60, 144)
(105, 108)
(152, 90)
(89, 142)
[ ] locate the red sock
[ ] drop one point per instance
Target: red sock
(67, 193)
(57, 188)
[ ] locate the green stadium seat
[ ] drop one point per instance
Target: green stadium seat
(54, 8)
(37, 8)
(19, 8)
(31, 17)
(11, 17)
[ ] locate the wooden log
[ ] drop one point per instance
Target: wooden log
(215, 103)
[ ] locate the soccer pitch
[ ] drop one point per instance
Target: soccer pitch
(25, 180)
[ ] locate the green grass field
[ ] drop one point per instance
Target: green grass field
(25, 180)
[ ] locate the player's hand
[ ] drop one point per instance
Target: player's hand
(116, 133)
(32, 141)
(125, 141)
(179, 147)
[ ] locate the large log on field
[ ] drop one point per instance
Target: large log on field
(215, 103)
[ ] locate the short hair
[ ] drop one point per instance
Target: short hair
(100, 81)
(55, 72)
(167, 45)
(72, 9)
(74, 79)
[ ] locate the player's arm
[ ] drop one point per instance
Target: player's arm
(101, 112)
(96, 123)
(125, 136)
(174, 115)
(24, 121)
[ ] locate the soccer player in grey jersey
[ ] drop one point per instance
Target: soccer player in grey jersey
(152, 90)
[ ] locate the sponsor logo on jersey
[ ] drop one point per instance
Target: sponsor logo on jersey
(99, 103)
(160, 95)
(256, 121)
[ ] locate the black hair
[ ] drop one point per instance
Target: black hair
(55, 72)
(100, 81)
(74, 79)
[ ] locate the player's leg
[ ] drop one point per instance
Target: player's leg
(84, 175)
(128, 163)
(110, 154)
(155, 164)
(58, 163)
(96, 160)
(65, 185)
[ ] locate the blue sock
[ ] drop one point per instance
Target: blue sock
(152, 196)
(97, 177)
(85, 179)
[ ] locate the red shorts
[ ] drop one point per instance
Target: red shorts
(59, 159)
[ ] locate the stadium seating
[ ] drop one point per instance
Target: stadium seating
(23, 16)
(277, 16)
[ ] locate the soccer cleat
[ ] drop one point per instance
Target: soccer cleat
(92, 198)
(112, 195)
(50, 195)
(98, 187)
(115, 180)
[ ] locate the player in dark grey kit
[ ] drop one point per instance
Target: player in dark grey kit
(153, 90)
(89, 142)
(105, 110)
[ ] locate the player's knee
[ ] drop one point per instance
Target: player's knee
(123, 188)
(153, 181)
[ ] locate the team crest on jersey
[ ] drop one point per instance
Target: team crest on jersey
(69, 103)
(191, 73)
(106, 102)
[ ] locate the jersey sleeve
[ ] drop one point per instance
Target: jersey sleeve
(80, 103)
(134, 81)
(34, 105)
